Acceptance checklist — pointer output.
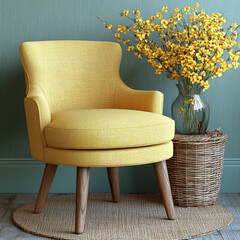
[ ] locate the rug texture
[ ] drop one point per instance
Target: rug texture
(136, 216)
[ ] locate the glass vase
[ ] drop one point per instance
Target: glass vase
(190, 110)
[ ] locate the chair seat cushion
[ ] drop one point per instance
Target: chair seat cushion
(107, 129)
(109, 157)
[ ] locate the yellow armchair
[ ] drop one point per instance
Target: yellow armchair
(80, 113)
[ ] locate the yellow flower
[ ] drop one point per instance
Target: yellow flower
(125, 13)
(133, 28)
(235, 64)
(136, 12)
(206, 85)
(122, 29)
(196, 5)
(181, 110)
(159, 15)
(203, 73)
(164, 23)
(190, 101)
(177, 9)
(130, 48)
(118, 37)
(221, 20)
(172, 21)
(187, 9)
(174, 75)
(162, 36)
(158, 71)
(139, 47)
(152, 18)
(178, 16)
(164, 9)
(140, 35)
(234, 24)
(125, 41)
(109, 26)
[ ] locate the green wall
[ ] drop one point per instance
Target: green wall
(31, 20)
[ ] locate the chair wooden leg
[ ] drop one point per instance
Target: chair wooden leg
(165, 189)
(83, 174)
(47, 179)
(114, 183)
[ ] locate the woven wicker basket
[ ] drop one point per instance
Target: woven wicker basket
(195, 170)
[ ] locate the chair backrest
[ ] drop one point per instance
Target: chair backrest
(72, 74)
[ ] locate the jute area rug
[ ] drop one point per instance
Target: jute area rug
(136, 216)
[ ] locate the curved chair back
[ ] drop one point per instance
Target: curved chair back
(72, 74)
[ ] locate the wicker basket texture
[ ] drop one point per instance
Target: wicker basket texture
(195, 170)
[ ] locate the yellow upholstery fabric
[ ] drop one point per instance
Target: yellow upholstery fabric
(110, 157)
(63, 76)
(107, 128)
(128, 98)
(38, 115)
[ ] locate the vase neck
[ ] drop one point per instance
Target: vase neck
(189, 90)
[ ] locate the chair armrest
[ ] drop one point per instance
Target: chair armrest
(128, 98)
(38, 116)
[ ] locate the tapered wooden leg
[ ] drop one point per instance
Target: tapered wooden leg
(114, 183)
(81, 198)
(47, 179)
(165, 189)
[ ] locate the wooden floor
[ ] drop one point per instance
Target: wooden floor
(9, 202)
